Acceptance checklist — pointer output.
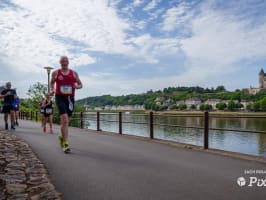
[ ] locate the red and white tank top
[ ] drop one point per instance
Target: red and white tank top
(65, 83)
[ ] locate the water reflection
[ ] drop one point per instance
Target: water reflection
(248, 142)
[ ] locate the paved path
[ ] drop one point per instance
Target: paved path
(112, 167)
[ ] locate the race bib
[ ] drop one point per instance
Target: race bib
(48, 110)
(66, 89)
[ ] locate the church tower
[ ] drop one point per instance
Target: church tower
(261, 79)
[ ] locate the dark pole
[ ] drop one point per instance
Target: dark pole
(120, 122)
(206, 130)
(151, 125)
(48, 72)
(98, 121)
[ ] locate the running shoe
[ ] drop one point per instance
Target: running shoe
(61, 140)
(66, 147)
(13, 127)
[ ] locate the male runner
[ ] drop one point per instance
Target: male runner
(9, 95)
(66, 81)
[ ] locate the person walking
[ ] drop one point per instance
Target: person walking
(66, 81)
(16, 105)
(42, 111)
(8, 108)
(47, 105)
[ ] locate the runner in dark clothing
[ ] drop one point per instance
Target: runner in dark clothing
(48, 112)
(8, 108)
(16, 105)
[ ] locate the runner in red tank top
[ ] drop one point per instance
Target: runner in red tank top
(66, 81)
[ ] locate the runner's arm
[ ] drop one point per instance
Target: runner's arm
(78, 84)
(52, 83)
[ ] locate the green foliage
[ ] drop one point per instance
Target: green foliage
(221, 106)
(36, 93)
(205, 107)
(182, 106)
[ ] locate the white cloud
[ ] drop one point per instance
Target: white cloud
(35, 34)
(219, 43)
(137, 2)
(151, 48)
(176, 16)
(151, 5)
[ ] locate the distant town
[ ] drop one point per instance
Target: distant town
(185, 98)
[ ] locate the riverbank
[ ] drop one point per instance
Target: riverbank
(22, 175)
(222, 113)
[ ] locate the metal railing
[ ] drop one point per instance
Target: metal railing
(80, 119)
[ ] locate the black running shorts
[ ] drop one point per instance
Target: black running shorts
(7, 108)
(65, 104)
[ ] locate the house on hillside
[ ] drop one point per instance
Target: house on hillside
(213, 102)
(196, 101)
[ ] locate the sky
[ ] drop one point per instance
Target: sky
(121, 47)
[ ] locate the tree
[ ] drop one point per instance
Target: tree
(205, 107)
(231, 105)
(220, 106)
(220, 88)
(36, 93)
(182, 106)
(193, 107)
(256, 106)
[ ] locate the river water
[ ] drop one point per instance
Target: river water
(243, 142)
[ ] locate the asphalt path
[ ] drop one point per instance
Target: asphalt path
(106, 166)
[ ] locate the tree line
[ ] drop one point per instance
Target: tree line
(148, 99)
(174, 94)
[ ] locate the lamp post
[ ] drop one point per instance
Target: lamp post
(48, 69)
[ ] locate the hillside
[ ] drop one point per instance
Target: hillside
(169, 96)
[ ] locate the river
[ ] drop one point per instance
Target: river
(241, 142)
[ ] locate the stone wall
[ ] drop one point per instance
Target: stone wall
(22, 175)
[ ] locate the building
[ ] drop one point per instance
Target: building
(262, 83)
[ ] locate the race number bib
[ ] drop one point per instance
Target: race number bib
(48, 110)
(66, 89)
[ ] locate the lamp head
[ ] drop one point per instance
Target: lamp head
(48, 69)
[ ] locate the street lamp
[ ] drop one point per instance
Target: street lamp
(48, 69)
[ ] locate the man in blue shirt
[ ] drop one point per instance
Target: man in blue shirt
(8, 108)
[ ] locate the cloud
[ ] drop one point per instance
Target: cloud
(137, 2)
(220, 43)
(48, 30)
(176, 16)
(151, 5)
(132, 45)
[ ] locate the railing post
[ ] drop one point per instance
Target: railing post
(98, 121)
(206, 130)
(120, 122)
(81, 120)
(151, 125)
(36, 116)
